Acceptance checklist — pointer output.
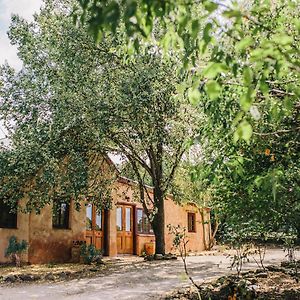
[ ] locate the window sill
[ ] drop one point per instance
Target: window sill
(57, 228)
(145, 234)
(9, 228)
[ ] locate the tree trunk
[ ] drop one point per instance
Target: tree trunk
(158, 224)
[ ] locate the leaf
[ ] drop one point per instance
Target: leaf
(211, 6)
(244, 131)
(214, 69)
(194, 95)
(247, 76)
(246, 99)
(213, 89)
(195, 28)
(206, 33)
(244, 43)
(232, 13)
(283, 39)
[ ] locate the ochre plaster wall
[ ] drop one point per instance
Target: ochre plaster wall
(21, 232)
(178, 215)
(48, 244)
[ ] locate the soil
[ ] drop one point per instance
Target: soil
(273, 282)
(126, 277)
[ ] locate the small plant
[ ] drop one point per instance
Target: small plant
(261, 251)
(180, 242)
(290, 247)
(90, 254)
(14, 249)
(242, 253)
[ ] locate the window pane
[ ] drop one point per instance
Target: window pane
(119, 218)
(99, 221)
(60, 217)
(128, 219)
(8, 219)
(89, 211)
(139, 220)
(191, 222)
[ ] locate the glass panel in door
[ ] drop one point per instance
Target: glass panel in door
(119, 218)
(89, 213)
(99, 220)
(128, 219)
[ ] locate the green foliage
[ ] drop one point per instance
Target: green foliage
(90, 254)
(15, 247)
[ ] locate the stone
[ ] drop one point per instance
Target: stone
(10, 278)
(262, 275)
(26, 277)
(159, 256)
(94, 269)
(50, 276)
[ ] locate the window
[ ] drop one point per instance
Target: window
(8, 218)
(60, 217)
(143, 224)
(191, 222)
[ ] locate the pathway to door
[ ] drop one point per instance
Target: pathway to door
(133, 279)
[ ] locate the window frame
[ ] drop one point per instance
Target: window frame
(193, 223)
(13, 216)
(66, 219)
(146, 227)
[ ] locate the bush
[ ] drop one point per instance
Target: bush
(90, 254)
(14, 249)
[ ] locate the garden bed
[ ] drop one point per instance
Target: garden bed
(48, 272)
(272, 283)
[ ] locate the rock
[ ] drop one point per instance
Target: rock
(253, 287)
(159, 256)
(262, 275)
(10, 278)
(94, 269)
(63, 275)
(26, 277)
(50, 276)
(274, 268)
(252, 280)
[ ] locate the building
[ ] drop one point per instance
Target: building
(123, 229)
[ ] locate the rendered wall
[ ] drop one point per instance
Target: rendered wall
(21, 232)
(48, 244)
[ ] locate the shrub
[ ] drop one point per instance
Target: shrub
(14, 249)
(90, 254)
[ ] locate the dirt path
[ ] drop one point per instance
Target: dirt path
(132, 279)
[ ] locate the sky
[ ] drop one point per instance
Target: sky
(24, 8)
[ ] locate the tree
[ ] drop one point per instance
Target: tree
(263, 35)
(74, 99)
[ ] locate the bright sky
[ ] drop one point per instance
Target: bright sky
(24, 8)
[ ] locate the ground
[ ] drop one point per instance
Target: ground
(132, 278)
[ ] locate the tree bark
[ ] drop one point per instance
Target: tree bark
(158, 225)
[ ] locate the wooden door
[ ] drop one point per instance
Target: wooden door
(124, 215)
(94, 227)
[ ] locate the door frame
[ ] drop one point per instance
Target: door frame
(134, 232)
(104, 225)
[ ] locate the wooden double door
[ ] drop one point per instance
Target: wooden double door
(125, 230)
(95, 227)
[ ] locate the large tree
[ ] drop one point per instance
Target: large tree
(73, 99)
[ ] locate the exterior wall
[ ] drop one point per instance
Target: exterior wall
(178, 215)
(21, 233)
(48, 244)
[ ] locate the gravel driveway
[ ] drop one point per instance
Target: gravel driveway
(132, 278)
